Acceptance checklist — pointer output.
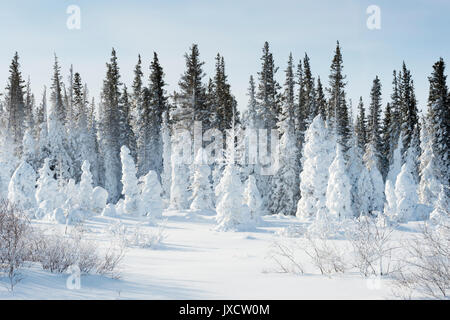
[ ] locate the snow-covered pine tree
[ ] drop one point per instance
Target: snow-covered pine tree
(321, 101)
(310, 106)
(130, 189)
(406, 191)
(29, 107)
(8, 160)
(442, 206)
(252, 197)
(48, 195)
(151, 202)
(338, 111)
(318, 154)
(159, 106)
(21, 188)
(126, 133)
(386, 140)
(225, 103)
(438, 117)
(338, 195)
(166, 175)
(268, 111)
(232, 213)
(371, 161)
(29, 148)
(202, 193)
(83, 139)
(360, 179)
(85, 188)
(285, 191)
(56, 147)
(15, 104)
(429, 184)
(109, 128)
(373, 121)
(249, 116)
(361, 126)
(191, 100)
(179, 189)
(408, 110)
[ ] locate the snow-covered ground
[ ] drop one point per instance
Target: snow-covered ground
(196, 262)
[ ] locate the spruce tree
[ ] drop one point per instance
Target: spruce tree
(361, 126)
(408, 109)
(191, 100)
(438, 117)
(158, 106)
(338, 112)
(320, 100)
(15, 102)
(310, 106)
(126, 133)
(285, 191)
(386, 140)
(109, 128)
(373, 123)
(267, 95)
(225, 102)
(268, 111)
(250, 114)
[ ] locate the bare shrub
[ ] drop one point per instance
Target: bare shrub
(372, 246)
(109, 262)
(427, 265)
(14, 228)
(324, 254)
(146, 239)
(283, 255)
(318, 243)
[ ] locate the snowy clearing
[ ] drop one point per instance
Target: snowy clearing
(196, 262)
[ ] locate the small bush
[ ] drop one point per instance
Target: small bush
(14, 249)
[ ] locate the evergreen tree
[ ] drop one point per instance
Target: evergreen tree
(408, 109)
(267, 96)
(338, 112)
(159, 106)
(126, 133)
(310, 106)
(130, 189)
(317, 158)
(202, 193)
(15, 103)
(361, 126)
(373, 122)
(268, 111)
(252, 197)
(386, 140)
(285, 193)
(250, 115)
(191, 100)
(225, 104)
(56, 147)
(338, 195)
(109, 128)
(438, 117)
(371, 160)
(321, 101)
(429, 185)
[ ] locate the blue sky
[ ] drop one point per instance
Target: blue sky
(417, 31)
